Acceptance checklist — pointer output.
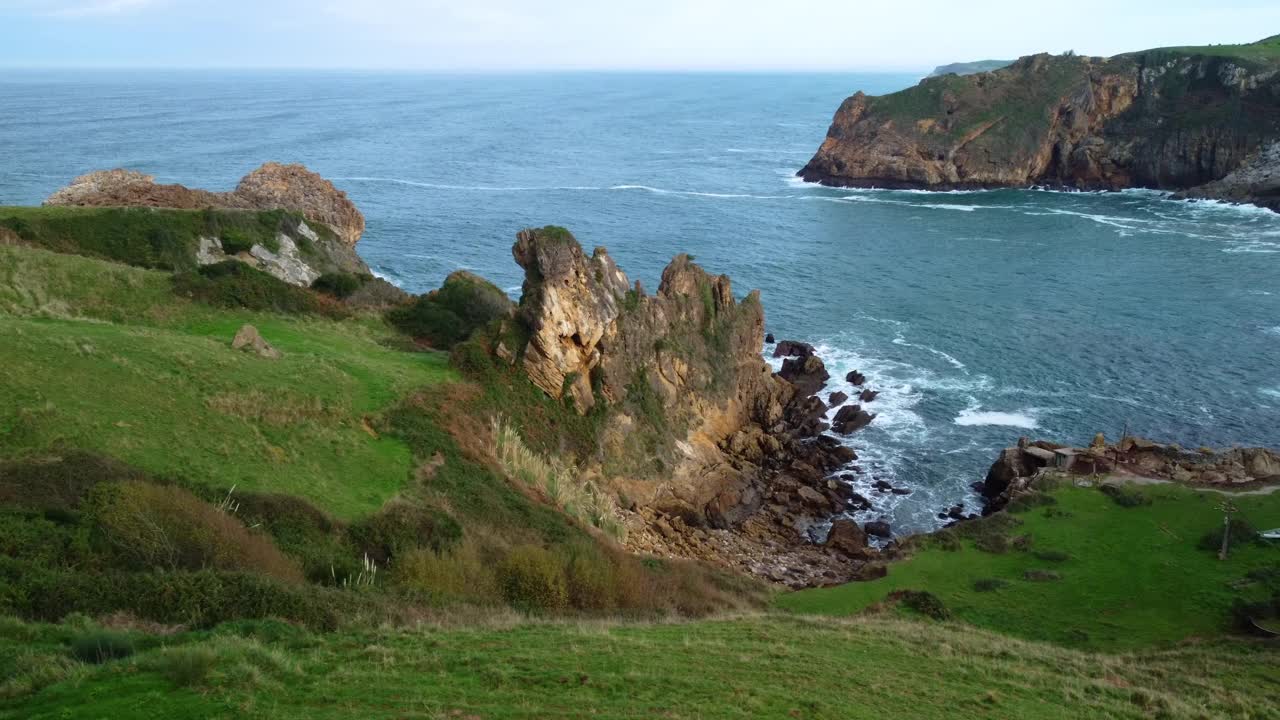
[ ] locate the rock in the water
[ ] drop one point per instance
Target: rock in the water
(793, 348)
(837, 398)
(850, 419)
(855, 378)
(249, 340)
(769, 339)
(846, 537)
(867, 396)
(878, 528)
(807, 373)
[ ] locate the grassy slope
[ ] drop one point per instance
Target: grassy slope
(1134, 577)
(104, 357)
(761, 666)
(1264, 51)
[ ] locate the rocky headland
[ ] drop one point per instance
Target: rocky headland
(320, 239)
(1199, 120)
(720, 458)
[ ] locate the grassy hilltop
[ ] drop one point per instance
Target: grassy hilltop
(383, 522)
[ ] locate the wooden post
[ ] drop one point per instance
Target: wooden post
(1226, 535)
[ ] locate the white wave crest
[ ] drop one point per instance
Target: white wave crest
(1011, 419)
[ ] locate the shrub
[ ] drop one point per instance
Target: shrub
(1030, 501)
(1041, 576)
(449, 315)
(153, 526)
(234, 284)
(1241, 532)
(1124, 495)
(1053, 556)
(337, 284)
(101, 646)
(989, 584)
(457, 575)
(235, 240)
(590, 581)
(196, 599)
(401, 526)
(923, 602)
(223, 661)
(533, 579)
(58, 482)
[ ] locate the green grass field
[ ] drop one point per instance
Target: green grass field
(105, 357)
(749, 667)
(1132, 577)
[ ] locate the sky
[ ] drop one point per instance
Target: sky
(506, 35)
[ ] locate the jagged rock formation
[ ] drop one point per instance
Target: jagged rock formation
(302, 252)
(1166, 119)
(1012, 473)
(723, 458)
(1257, 181)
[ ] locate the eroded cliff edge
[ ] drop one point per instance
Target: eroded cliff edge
(1169, 119)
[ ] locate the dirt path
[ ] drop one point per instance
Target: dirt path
(1132, 479)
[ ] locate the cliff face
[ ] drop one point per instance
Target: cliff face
(300, 253)
(1166, 119)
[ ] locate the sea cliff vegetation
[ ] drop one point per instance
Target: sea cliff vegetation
(373, 511)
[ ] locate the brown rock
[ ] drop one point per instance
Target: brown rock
(846, 537)
(850, 419)
(249, 340)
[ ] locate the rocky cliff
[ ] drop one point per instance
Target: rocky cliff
(721, 458)
(320, 238)
(1172, 119)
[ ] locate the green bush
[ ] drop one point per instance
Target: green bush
(1053, 556)
(1241, 533)
(58, 482)
(401, 526)
(590, 580)
(338, 284)
(222, 661)
(989, 584)
(234, 284)
(102, 646)
(235, 241)
(533, 579)
(1125, 495)
(449, 315)
(923, 602)
(196, 599)
(150, 526)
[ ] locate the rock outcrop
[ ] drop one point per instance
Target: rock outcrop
(300, 253)
(1013, 473)
(1167, 119)
(697, 430)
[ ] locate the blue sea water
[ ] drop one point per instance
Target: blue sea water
(980, 316)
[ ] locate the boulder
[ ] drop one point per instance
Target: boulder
(812, 498)
(807, 373)
(1007, 468)
(850, 419)
(793, 348)
(855, 378)
(878, 528)
(769, 339)
(249, 340)
(867, 396)
(847, 538)
(837, 398)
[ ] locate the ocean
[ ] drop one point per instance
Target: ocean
(981, 316)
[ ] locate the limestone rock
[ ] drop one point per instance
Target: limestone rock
(249, 340)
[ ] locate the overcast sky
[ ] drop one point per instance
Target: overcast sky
(602, 34)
